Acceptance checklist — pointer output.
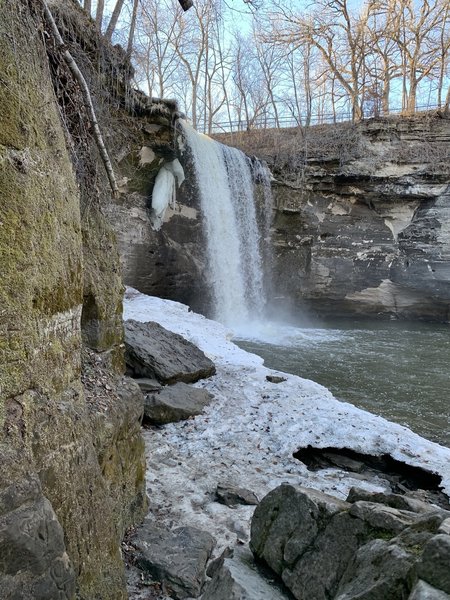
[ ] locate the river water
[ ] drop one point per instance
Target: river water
(398, 370)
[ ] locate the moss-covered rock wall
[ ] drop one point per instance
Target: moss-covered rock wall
(71, 454)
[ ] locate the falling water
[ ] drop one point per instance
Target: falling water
(234, 243)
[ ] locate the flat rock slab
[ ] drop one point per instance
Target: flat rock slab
(275, 379)
(231, 495)
(175, 403)
(156, 353)
(177, 558)
(148, 385)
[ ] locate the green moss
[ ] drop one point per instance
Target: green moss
(51, 261)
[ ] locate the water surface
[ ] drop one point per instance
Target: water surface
(398, 370)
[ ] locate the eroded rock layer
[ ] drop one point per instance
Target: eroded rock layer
(71, 452)
(362, 224)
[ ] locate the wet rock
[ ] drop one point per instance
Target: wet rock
(424, 591)
(177, 558)
(239, 579)
(231, 495)
(155, 352)
(175, 403)
(346, 238)
(275, 379)
(434, 566)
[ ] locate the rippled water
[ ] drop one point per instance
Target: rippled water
(398, 370)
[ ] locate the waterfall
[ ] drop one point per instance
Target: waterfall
(234, 238)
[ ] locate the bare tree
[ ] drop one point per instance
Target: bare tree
(270, 60)
(132, 31)
(99, 13)
(250, 96)
(157, 35)
(416, 39)
(444, 51)
(114, 19)
(338, 35)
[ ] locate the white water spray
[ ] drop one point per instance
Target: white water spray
(234, 244)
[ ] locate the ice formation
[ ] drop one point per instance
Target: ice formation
(170, 176)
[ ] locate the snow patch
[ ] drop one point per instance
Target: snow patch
(248, 434)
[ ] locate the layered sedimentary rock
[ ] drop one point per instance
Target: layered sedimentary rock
(165, 258)
(71, 453)
(362, 224)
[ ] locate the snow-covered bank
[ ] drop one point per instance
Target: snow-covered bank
(248, 434)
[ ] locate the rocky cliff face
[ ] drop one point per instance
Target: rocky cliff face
(169, 262)
(72, 475)
(361, 225)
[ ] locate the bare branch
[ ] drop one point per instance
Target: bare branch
(86, 96)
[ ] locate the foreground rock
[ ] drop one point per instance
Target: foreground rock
(175, 403)
(237, 578)
(155, 352)
(232, 495)
(324, 548)
(33, 556)
(177, 559)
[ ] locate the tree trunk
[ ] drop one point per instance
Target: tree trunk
(99, 13)
(88, 6)
(412, 96)
(447, 101)
(356, 109)
(114, 18)
(132, 27)
(386, 91)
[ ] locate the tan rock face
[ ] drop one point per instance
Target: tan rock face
(369, 235)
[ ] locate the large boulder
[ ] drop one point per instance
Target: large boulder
(33, 558)
(324, 549)
(155, 352)
(177, 559)
(434, 566)
(175, 403)
(378, 570)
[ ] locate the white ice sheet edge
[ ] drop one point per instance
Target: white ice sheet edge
(251, 429)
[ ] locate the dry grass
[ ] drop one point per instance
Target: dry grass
(420, 138)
